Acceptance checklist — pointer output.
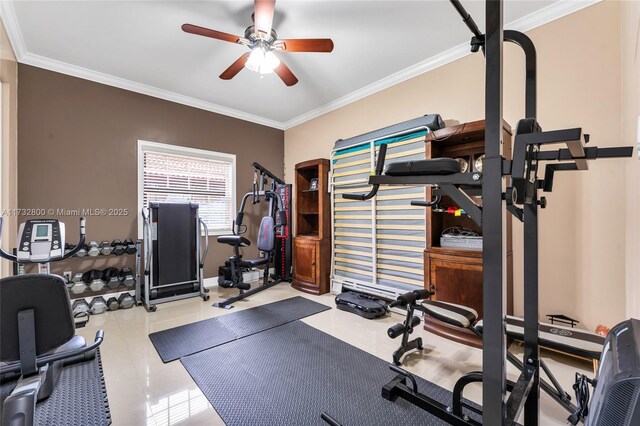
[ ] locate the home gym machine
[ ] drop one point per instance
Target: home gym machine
(274, 238)
(503, 401)
(37, 330)
(173, 254)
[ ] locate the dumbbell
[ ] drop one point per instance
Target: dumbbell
(105, 248)
(111, 278)
(126, 277)
(82, 252)
(130, 246)
(78, 285)
(113, 304)
(93, 249)
(80, 307)
(93, 279)
(98, 305)
(398, 329)
(126, 301)
(68, 279)
(118, 247)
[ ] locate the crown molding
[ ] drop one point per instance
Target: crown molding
(98, 77)
(540, 17)
(7, 13)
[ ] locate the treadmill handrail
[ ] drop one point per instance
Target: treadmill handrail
(206, 242)
(14, 258)
(146, 235)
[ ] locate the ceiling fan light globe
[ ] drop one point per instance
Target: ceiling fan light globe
(261, 61)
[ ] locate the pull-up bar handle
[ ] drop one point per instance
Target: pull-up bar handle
(377, 172)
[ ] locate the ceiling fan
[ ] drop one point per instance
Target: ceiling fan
(262, 40)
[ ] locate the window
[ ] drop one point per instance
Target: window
(178, 174)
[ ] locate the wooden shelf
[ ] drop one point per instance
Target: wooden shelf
(311, 245)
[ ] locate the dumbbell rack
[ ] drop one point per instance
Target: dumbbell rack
(89, 294)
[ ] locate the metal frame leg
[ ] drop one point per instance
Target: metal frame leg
(494, 353)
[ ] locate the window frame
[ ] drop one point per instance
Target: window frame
(148, 146)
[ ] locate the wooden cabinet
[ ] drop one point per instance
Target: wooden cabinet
(312, 242)
(455, 275)
(305, 261)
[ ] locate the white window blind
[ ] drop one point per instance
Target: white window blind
(191, 176)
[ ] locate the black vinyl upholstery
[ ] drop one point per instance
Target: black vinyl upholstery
(47, 295)
(433, 166)
(234, 240)
(251, 263)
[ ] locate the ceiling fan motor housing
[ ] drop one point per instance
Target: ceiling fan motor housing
(250, 34)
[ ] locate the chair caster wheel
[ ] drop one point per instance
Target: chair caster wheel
(153, 308)
(205, 298)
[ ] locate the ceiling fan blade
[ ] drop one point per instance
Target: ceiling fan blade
(305, 45)
(235, 67)
(263, 15)
(206, 32)
(285, 74)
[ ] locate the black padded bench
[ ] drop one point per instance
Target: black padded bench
(570, 341)
(433, 166)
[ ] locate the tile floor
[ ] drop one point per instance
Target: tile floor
(144, 391)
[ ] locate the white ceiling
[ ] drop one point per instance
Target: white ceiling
(138, 45)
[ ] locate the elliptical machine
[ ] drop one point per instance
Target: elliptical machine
(37, 329)
(274, 238)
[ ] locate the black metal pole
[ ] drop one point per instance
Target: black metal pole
(494, 344)
(531, 296)
(466, 18)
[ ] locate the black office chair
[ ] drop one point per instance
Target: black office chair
(37, 339)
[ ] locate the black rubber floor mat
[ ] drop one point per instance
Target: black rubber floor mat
(188, 339)
(294, 373)
(79, 399)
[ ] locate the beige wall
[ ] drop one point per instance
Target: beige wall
(8, 167)
(78, 147)
(582, 238)
(630, 54)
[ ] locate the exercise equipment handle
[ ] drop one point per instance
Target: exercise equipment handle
(266, 172)
(78, 247)
(206, 242)
(377, 172)
(434, 202)
(57, 356)
(330, 420)
(146, 231)
(410, 298)
(3, 253)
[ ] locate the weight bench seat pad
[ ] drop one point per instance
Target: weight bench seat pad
(234, 240)
(433, 166)
(250, 263)
(458, 315)
(572, 341)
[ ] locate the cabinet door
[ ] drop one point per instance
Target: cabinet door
(305, 260)
(457, 280)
